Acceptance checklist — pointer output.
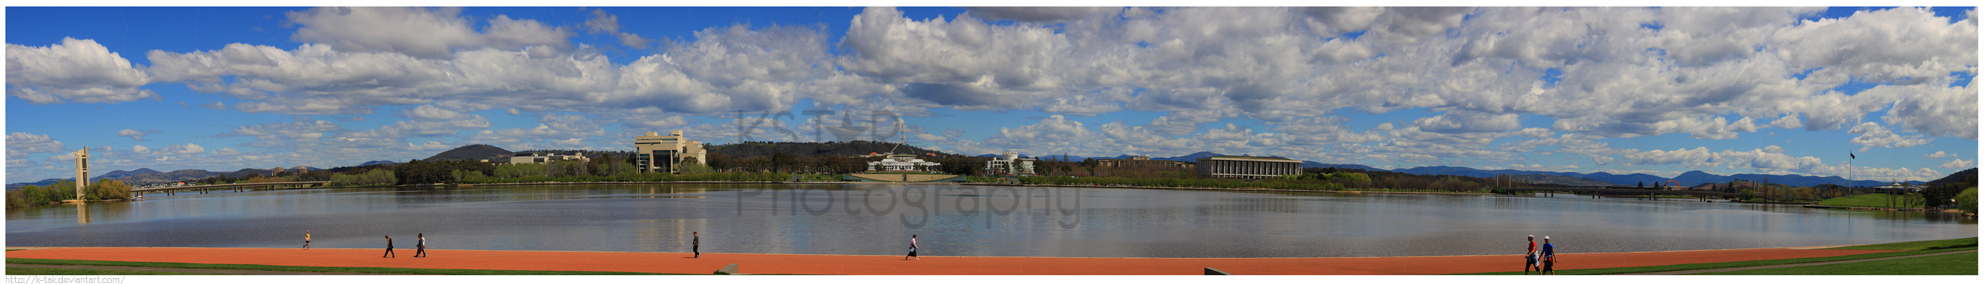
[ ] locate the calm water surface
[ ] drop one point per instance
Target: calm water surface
(956, 220)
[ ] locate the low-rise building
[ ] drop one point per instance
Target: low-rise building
(1902, 187)
(542, 157)
(1010, 164)
(1243, 167)
(655, 153)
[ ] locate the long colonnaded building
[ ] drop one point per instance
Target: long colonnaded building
(654, 153)
(543, 157)
(1142, 162)
(1242, 167)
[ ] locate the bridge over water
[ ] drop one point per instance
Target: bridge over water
(1628, 191)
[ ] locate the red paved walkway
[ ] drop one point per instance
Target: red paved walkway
(881, 265)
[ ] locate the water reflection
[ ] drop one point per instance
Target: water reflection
(959, 220)
(82, 213)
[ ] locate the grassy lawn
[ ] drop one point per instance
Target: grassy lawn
(1920, 245)
(378, 270)
(1875, 200)
(1696, 266)
(66, 271)
(1950, 264)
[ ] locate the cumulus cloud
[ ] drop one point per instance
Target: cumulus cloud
(1870, 134)
(1939, 155)
(1958, 164)
(726, 69)
(1038, 14)
(22, 144)
(271, 135)
(419, 32)
(1591, 73)
(1052, 135)
(76, 70)
(1467, 122)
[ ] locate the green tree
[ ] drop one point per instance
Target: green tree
(690, 166)
(1968, 200)
(17, 198)
(109, 189)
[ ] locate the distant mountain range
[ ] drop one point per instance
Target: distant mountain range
(1691, 178)
(150, 176)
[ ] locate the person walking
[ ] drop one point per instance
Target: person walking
(421, 247)
(913, 249)
(694, 243)
(389, 248)
(306, 239)
(1549, 256)
(1531, 255)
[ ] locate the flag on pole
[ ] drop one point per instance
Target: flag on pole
(1851, 155)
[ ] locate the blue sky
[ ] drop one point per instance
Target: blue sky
(1623, 90)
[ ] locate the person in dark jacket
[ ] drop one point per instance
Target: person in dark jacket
(389, 248)
(694, 242)
(421, 247)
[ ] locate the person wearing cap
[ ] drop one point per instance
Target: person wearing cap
(1531, 255)
(1549, 257)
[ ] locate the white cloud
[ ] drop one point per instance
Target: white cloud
(1935, 110)
(274, 135)
(601, 22)
(1052, 135)
(1958, 164)
(1039, 14)
(1870, 134)
(21, 144)
(424, 33)
(187, 149)
(1939, 155)
(1713, 73)
(429, 146)
(553, 131)
(73, 71)
(1467, 122)
(137, 135)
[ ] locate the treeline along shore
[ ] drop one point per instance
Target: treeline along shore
(830, 162)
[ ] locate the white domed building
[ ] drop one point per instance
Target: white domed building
(902, 163)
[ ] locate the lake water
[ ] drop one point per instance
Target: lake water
(956, 220)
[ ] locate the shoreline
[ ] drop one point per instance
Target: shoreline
(754, 263)
(978, 184)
